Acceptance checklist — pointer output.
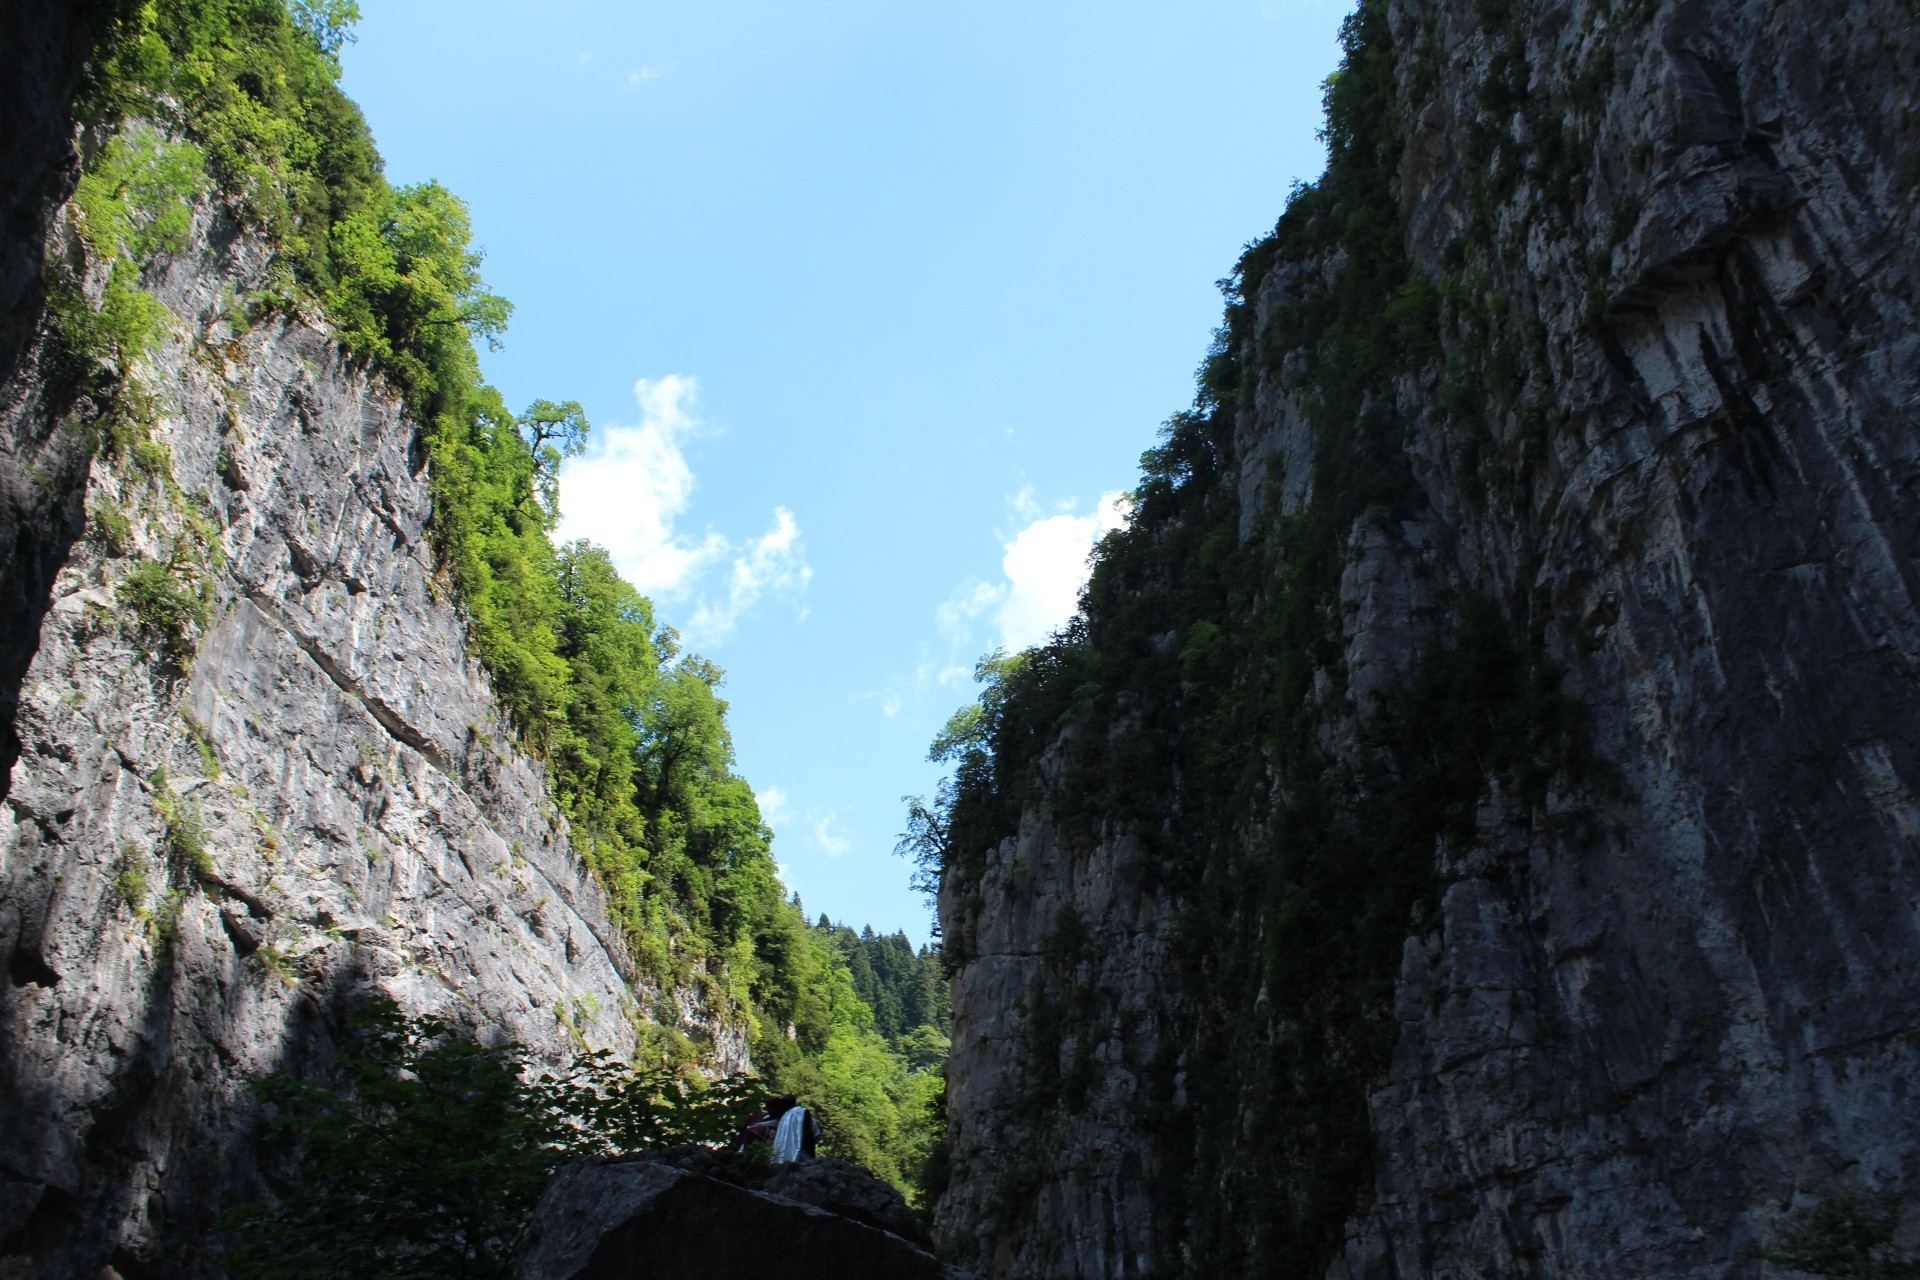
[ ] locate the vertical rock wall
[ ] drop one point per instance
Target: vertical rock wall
(207, 849)
(1649, 1011)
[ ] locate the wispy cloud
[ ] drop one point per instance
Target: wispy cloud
(632, 488)
(652, 71)
(828, 833)
(1043, 566)
(775, 561)
(633, 484)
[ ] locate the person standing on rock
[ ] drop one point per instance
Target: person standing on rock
(795, 1133)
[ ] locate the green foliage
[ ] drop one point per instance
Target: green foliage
(420, 1152)
(110, 521)
(328, 22)
(256, 90)
(185, 838)
(170, 604)
(907, 990)
(555, 432)
(1848, 1236)
(130, 880)
(132, 204)
(911, 1014)
(633, 730)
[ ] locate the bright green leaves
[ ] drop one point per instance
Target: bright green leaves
(133, 203)
(409, 294)
(134, 198)
(257, 90)
(171, 603)
(555, 432)
(328, 22)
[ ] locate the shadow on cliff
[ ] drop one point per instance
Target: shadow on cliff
(44, 470)
(154, 1178)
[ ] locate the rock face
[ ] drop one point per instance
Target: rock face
(696, 1214)
(210, 843)
(1646, 1010)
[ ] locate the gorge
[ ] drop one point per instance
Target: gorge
(1469, 831)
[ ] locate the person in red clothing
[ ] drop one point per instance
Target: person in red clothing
(757, 1128)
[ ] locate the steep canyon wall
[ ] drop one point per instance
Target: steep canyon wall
(1474, 830)
(214, 835)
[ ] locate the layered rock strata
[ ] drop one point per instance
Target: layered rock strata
(1650, 1012)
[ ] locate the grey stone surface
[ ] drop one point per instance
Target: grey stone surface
(368, 823)
(1647, 1025)
(696, 1214)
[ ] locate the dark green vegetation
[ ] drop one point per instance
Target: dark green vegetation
(1203, 675)
(1849, 1237)
(422, 1152)
(238, 100)
(907, 990)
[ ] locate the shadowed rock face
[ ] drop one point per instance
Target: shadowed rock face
(42, 469)
(697, 1215)
(1645, 1021)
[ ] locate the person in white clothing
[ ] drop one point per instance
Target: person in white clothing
(795, 1132)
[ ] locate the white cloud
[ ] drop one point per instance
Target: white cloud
(773, 806)
(632, 484)
(775, 561)
(631, 489)
(652, 71)
(1046, 565)
(828, 833)
(958, 611)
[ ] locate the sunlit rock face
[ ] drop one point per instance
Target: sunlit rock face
(206, 855)
(1647, 1016)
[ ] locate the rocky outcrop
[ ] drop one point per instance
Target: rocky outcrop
(695, 1213)
(222, 827)
(1646, 1010)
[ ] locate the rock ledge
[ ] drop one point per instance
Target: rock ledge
(695, 1213)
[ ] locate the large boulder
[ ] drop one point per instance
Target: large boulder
(695, 1214)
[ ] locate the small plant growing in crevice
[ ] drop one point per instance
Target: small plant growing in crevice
(202, 743)
(114, 527)
(130, 881)
(170, 605)
(185, 840)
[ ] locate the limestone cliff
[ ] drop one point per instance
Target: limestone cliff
(213, 837)
(1474, 830)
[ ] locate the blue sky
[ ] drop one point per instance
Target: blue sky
(873, 306)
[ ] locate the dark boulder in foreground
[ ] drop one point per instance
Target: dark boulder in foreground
(692, 1213)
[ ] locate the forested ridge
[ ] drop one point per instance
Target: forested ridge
(236, 103)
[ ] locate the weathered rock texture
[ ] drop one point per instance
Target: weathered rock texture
(1648, 1010)
(696, 1214)
(204, 858)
